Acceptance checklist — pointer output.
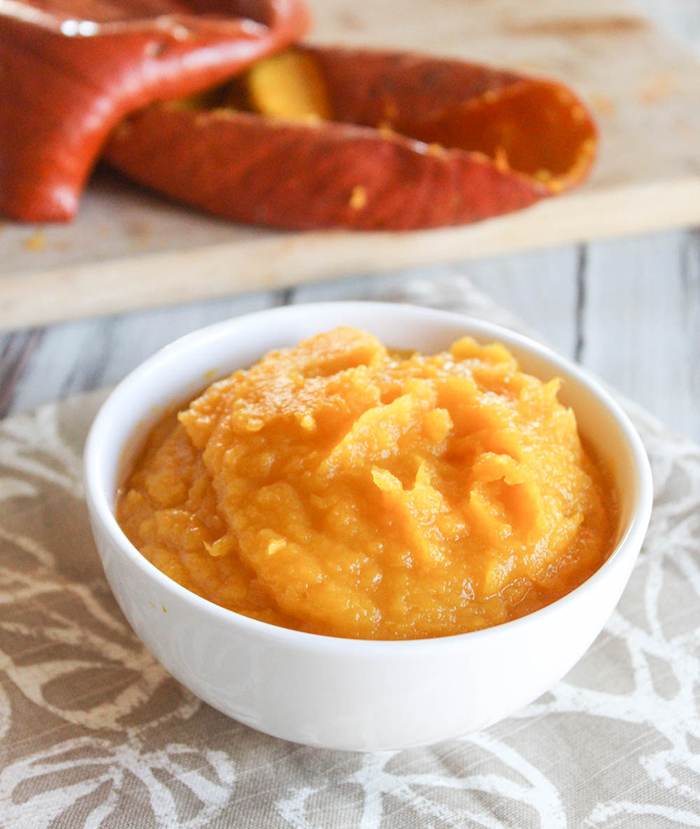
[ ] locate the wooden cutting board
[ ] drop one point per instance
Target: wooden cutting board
(129, 249)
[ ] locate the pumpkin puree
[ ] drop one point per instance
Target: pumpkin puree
(344, 489)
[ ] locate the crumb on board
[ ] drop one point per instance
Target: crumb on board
(37, 241)
(603, 104)
(657, 88)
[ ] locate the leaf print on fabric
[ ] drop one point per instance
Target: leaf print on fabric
(77, 660)
(5, 713)
(410, 788)
(34, 445)
(417, 793)
(84, 782)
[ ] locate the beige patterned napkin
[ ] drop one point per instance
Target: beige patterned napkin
(94, 733)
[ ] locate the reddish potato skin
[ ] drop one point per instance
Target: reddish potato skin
(62, 95)
(249, 169)
(368, 86)
(344, 173)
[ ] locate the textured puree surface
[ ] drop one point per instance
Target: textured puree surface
(344, 489)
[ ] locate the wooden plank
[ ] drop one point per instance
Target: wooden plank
(629, 308)
(275, 261)
(539, 288)
(641, 322)
(67, 359)
(131, 250)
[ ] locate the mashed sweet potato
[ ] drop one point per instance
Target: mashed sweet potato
(341, 488)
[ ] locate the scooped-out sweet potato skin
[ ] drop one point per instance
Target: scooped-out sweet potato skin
(67, 81)
(416, 142)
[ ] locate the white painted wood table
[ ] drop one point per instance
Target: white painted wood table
(628, 309)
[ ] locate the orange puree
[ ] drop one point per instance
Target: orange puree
(344, 489)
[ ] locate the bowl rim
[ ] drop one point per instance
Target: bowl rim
(99, 505)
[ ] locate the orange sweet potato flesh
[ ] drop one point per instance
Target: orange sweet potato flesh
(415, 142)
(288, 85)
(72, 69)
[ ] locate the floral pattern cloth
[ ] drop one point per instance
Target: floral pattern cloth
(94, 733)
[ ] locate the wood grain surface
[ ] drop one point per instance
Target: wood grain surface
(130, 249)
(628, 310)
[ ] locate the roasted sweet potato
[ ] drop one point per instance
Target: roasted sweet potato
(415, 142)
(68, 80)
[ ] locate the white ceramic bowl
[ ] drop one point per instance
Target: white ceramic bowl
(342, 693)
